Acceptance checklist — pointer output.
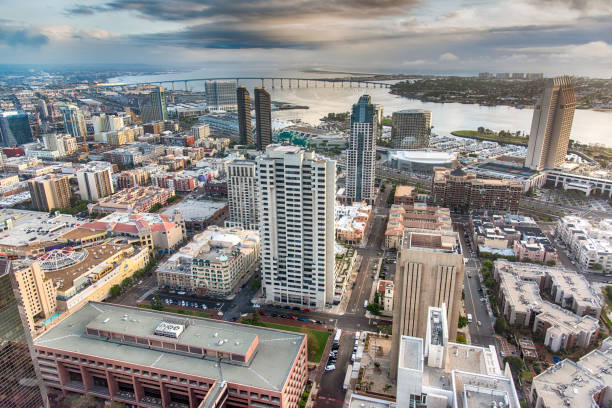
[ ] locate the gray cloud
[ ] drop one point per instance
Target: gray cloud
(575, 4)
(185, 10)
(226, 36)
(16, 37)
(84, 10)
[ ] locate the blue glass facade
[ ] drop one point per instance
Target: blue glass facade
(14, 129)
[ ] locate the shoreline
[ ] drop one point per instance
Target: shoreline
(604, 110)
(475, 137)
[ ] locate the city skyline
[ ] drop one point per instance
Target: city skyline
(440, 36)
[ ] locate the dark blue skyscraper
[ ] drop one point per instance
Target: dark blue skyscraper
(14, 129)
(361, 153)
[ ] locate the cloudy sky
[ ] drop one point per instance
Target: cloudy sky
(551, 36)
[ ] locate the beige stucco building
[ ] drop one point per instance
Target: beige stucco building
(37, 291)
(430, 272)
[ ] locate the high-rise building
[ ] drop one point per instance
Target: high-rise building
(156, 111)
(263, 117)
(242, 194)
(221, 95)
(74, 123)
(106, 123)
(20, 380)
(435, 372)
(430, 273)
(361, 153)
(37, 292)
(14, 129)
(458, 190)
(49, 192)
(95, 182)
(245, 129)
(411, 129)
(551, 125)
(296, 198)
(62, 143)
(200, 131)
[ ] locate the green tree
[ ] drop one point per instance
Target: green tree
(516, 363)
(115, 290)
(156, 303)
(500, 325)
(463, 321)
(255, 285)
(256, 320)
(126, 282)
(461, 338)
(374, 308)
(597, 267)
(551, 263)
(526, 376)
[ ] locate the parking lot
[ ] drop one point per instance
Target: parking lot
(573, 199)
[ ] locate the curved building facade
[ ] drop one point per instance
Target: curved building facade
(420, 161)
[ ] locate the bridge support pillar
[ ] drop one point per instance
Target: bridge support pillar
(172, 86)
(281, 83)
(289, 83)
(262, 83)
(186, 87)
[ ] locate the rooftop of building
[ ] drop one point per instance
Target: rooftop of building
(405, 191)
(275, 353)
(135, 194)
(413, 111)
(216, 244)
(471, 372)
(195, 210)
(436, 241)
(362, 401)
(573, 384)
(505, 169)
(24, 227)
(569, 282)
(65, 266)
(121, 221)
(411, 353)
(523, 295)
(430, 157)
(477, 390)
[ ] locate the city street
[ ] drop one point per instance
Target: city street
(483, 334)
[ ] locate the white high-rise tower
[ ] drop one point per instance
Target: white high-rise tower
(296, 195)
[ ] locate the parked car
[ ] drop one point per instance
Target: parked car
(302, 319)
(306, 310)
(274, 314)
(330, 367)
(293, 317)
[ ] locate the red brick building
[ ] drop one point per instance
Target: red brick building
(458, 190)
(153, 359)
